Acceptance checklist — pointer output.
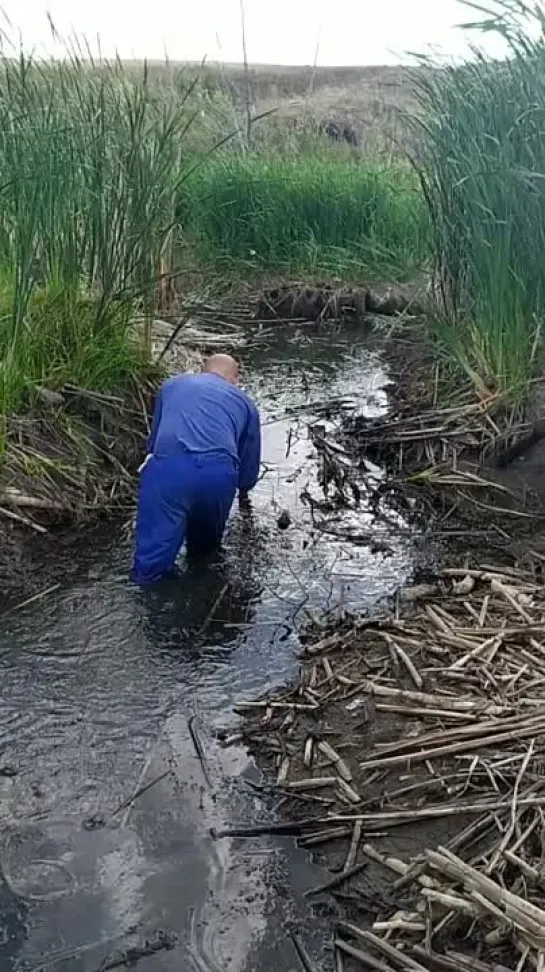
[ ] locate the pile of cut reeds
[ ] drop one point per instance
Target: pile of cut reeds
(75, 457)
(428, 726)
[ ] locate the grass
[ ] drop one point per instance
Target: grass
(95, 197)
(91, 164)
(61, 343)
(483, 172)
(327, 215)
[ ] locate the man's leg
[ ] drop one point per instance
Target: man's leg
(214, 495)
(161, 519)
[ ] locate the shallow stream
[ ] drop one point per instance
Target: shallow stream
(99, 684)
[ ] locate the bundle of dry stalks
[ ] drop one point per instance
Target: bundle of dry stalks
(424, 730)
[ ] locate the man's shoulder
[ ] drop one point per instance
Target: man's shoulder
(246, 397)
(221, 388)
(179, 379)
(226, 388)
(234, 393)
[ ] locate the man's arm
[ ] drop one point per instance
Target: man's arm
(157, 411)
(250, 453)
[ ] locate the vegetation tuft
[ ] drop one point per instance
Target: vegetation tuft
(327, 215)
(482, 167)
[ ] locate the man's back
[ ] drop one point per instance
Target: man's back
(202, 414)
(205, 443)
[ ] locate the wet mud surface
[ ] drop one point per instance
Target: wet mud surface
(102, 686)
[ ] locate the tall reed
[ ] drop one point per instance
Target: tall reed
(91, 164)
(482, 166)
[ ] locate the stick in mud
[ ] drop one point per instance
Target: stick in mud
(388, 950)
(130, 956)
(291, 829)
(31, 600)
(139, 793)
(97, 822)
(364, 958)
(209, 618)
(302, 954)
(339, 879)
(323, 837)
(198, 749)
(354, 845)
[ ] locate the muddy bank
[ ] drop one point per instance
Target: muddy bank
(408, 756)
(474, 469)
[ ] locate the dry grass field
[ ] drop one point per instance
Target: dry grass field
(370, 99)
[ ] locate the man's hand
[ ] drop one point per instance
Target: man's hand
(244, 503)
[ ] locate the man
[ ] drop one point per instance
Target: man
(205, 442)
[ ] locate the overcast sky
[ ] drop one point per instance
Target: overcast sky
(352, 32)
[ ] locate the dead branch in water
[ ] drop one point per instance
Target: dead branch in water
(198, 749)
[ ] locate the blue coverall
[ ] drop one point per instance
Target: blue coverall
(205, 442)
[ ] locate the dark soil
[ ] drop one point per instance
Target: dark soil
(324, 302)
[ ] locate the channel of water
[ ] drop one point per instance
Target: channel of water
(99, 682)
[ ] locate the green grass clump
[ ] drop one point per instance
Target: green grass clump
(62, 342)
(307, 215)
(483, 173)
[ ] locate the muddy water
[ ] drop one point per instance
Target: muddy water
(99, 682)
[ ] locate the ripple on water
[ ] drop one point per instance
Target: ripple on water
(34, 866)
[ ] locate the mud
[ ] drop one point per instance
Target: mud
(324, 302)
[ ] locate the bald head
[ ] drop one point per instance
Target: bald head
(223, 365)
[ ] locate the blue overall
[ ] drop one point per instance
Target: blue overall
(205, 442)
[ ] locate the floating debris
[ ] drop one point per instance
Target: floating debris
(8, 771)
(127, 958)
(284, 520)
